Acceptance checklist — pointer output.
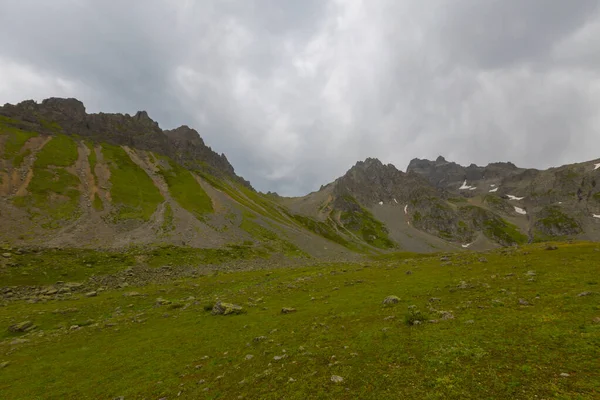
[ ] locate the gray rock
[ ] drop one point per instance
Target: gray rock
(409, 272)
(4, 364)
(523, 302)
(259, 339)
(583, 294)
(446, 315)
(336, 379)
(434, 299)
(249, 357)
(391, 300)
(221, 308)
(91, 294)
(24, 326)
(162, 302)
(6, 255)
(288, 310)
(564, 375)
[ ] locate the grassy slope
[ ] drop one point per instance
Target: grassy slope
(53, 190)
(186, 190)
(132, 190)
(16, 139)
(508, 351)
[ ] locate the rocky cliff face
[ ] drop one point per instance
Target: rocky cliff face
(450, 175)
(57, 115)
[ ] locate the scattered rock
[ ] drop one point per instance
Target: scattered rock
(288, 310)
(583, 294)
(162, 302)
(434, 299)
(259, 339)
(19, 341)
(24, 326)
(391, 300)
(336, 379)
(463, 285)
(249, 357)
(531, 273)
(446, 315)
(564, 375)
(389, 317)
(226, 309)
(483, 260)
(277, 358)
(291, 380)
(91, 294)
(523, 302)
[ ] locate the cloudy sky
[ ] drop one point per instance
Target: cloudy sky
(294, 92)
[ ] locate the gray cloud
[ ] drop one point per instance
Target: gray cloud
(296, 92)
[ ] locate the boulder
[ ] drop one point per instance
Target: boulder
(221, 308)
(391, 300)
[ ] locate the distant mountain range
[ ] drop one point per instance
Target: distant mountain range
(72, 179)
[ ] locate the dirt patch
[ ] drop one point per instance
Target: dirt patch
(82, 170)
(4, 183)
(22, 190)
(22, 176)
(102, 173)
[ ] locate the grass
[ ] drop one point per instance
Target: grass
(493, 348)
(360, 221)
(132, 191)
(16, 139)
(53, 191)
(272, 241)
(60, 151)
(186, 190)
(553, 222)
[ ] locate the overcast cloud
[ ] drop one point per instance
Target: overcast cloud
(294, 92)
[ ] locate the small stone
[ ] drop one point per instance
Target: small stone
(483, 259)
(259, 339)
(463, 285)
(391, 300)
(434, 299)
(389, 317)
(19, 341)
(531, 273)
(288, 310)
(551, 247)
(408, 272)
(74, 327)
(564, 375)
(445, 258)
(470, 321)
(277, 358)
(91, 294)
(336, 379)
(249, 357)
(446, 315)
(6, 255)
(4, 364)
(523, 302)
(291, 380)
(162, 302)
(583, 294)
(24, 326)
(226, 309)
(131, 294)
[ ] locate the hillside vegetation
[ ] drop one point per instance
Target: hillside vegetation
(518, 323)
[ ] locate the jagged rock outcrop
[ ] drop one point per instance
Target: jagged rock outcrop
(58, 115)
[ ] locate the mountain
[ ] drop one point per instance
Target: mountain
(73, 179)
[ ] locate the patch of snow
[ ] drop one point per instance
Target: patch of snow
(465, 186)
(381, 203)
(596, 216)
(494, 190)
(511, 197)
(466, 245)
(520, 211)
(473, 188)
(406, 209)
(560, 202)
(493, 185)
(596, 166)
(395, 201)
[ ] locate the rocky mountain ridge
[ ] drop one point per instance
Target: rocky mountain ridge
(68, 178)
